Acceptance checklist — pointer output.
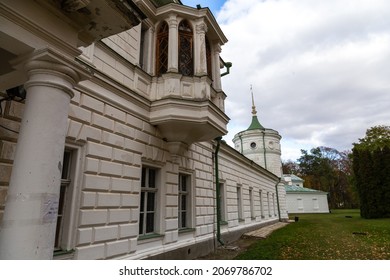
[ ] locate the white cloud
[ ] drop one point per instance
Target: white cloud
(319, 69)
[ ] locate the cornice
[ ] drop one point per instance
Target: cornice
(148, 8)
(194, 14)
(38, 31)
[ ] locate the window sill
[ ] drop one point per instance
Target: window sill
(186, 230)
(149, 237)
(63, 255)
(223, 223)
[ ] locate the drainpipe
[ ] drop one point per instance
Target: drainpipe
(264, 152)
(217, 188)
(228, 65)
(277, 198)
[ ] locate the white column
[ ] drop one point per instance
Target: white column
(216, 68)
(150, 42)
(173, 44)
(200, 49)
(29, 221)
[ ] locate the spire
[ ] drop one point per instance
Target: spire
(255, 122)
(254, 112)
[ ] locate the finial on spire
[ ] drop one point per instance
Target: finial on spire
(254, 112)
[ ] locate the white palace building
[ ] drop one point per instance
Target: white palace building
(111, 117)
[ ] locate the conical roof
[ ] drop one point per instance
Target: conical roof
(255, 124)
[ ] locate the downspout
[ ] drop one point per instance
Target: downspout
(264, 151)
(228, 65)
(277, 198)
(218, 194)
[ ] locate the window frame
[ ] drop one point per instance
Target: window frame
(222, 200)
(251, 204)
(147, 189)
(188, 203)
(186, 68)
(162, 35)
(261, 204)
(209, 64)
(65, 233)
(240, 212)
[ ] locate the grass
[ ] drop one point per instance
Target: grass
(341, 235)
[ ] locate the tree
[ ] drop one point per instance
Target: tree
(376, 137)
(290, 167)
(329, 170)
(371, 166)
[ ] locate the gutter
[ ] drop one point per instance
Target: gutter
(218, 194)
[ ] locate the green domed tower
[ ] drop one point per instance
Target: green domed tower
(260, 144)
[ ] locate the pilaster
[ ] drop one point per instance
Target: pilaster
(216, 67)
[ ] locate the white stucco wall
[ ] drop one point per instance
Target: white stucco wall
(307, 202)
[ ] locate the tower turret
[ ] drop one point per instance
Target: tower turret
(260, 144)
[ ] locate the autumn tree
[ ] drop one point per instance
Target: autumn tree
(290, 167)
(329, 170)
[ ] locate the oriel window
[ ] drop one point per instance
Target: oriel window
(186, 61)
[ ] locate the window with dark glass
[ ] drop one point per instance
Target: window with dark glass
(162, 49)
(239, 203)
(208, 59)
(186, 63)
(142, 49)
(147, 201)
(62, 203)
(184, 196)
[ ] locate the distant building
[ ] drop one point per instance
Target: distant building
(304, 200)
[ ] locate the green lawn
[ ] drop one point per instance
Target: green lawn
(326, 237)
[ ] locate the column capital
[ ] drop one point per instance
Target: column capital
(172, 21)
(49, 57)
(201, 28)
(217, 48)
(47, 67)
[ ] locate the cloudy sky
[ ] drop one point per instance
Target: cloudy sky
(320, 70)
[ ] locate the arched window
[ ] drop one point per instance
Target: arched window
(162, 49)
(208, 59)
(186, 62)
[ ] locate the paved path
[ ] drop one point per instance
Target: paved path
(265, 231)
